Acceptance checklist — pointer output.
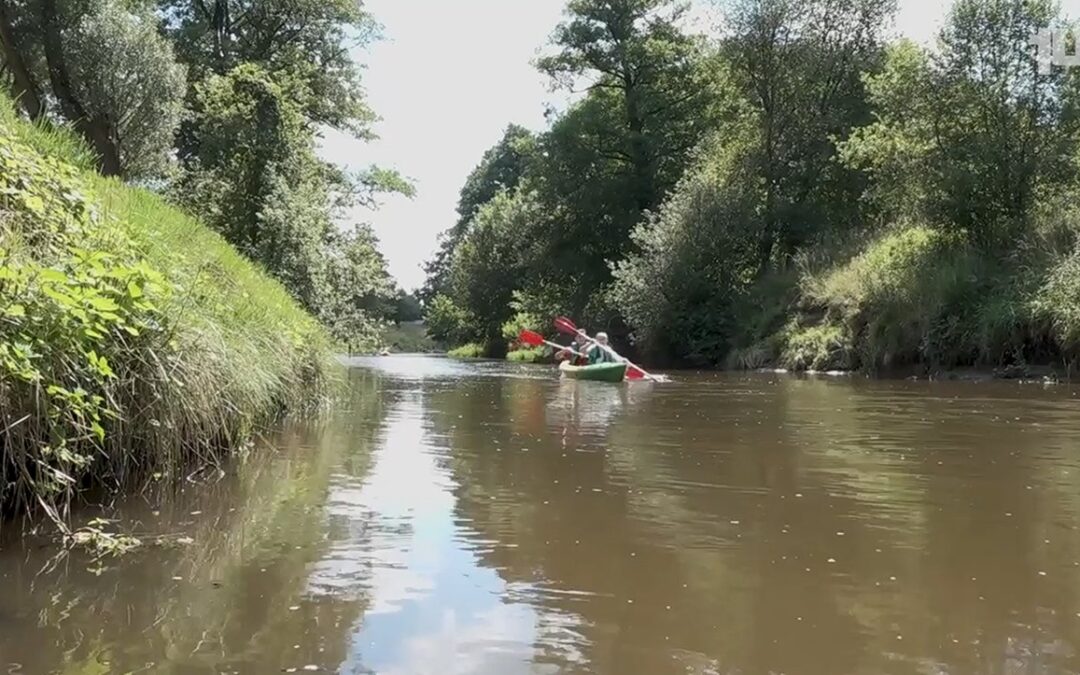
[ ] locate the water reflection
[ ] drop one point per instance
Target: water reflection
(487, 518)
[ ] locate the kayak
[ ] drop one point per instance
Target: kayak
(599, 372)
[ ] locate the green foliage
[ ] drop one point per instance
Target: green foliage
(124, 70)
(407, 307)
(259, 79)
(355, 291)
(300, 40)
(105, 69)
(697, 258)
(408, 338)
(798, 65)
(132, 340)
(501, 169)
(533, 355)
(571, 196)
(511, 330)
(970, 136)
(823, 347)
(75, 299)
(446, 321)
(895, 303)
(470, 350)
(487, 263)
(256, 179)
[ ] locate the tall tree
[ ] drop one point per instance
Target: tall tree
(501, 169)
(23, 85)
(106, 68)
(306, 40)
(799, 63)
(635, 51)
(968, 136)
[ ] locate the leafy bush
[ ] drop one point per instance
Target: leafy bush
(696, 261)
(471, 350)
(896, 302)
(76, 301)
(534, 355)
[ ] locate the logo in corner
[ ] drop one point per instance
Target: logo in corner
(1051, 49)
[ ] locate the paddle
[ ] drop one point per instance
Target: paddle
(536, 340)
(633, 372)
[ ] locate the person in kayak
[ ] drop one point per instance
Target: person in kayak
(600, 351)
(580, 344)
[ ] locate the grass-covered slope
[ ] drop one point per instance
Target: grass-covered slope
(919, 296)
(134, 342)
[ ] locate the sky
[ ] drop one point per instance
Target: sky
(446, 78)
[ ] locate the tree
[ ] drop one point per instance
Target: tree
(106, 69)
(501, 169)
(126, 73)
(486, 267)
(407, 307)
(799, 65)
(356, 292)
(968, 137)
(24, 87)
(696, 259)
(256, 178)
(306, 41)
(635, 51)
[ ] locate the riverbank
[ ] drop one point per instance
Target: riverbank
(134, 342)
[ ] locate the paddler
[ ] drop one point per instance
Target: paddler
(600, 351)
(580, 345)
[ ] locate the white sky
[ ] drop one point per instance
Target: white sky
(447, 78)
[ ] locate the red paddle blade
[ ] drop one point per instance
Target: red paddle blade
(565, 326)
(531, 338)
(633, 373)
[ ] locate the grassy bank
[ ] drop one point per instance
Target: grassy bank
(921, 297)
(134, 342)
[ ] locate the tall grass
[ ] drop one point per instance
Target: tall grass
(134, 342)
(917, 295)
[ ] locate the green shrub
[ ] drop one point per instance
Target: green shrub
(822, 347)
(896, 302)
(471, 350)
(534, 355)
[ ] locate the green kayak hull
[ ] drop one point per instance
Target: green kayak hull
(600, 372)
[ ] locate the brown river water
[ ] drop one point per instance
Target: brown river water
(491, 518)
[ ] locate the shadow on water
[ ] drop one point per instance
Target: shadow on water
(492, 518)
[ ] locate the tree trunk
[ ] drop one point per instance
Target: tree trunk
(23, 83)
(97, 129)
(644, 172)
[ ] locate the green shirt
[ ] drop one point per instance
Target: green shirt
(598, 354)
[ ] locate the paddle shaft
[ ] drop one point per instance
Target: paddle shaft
(556, 345)
(535, 339)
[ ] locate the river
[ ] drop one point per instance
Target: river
(492, 518)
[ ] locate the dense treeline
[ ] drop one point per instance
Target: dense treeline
(218, 103)
(796, 189)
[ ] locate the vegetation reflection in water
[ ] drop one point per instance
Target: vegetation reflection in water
(491, 518)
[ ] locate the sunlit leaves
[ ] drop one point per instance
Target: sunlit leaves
(73, 293)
